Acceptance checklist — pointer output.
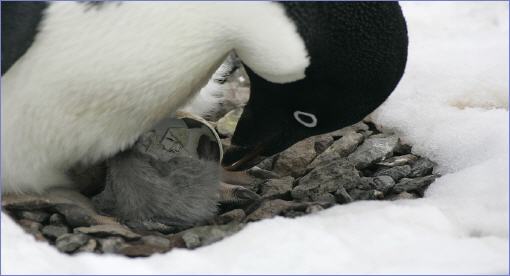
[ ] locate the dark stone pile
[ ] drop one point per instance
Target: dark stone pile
(351, 164)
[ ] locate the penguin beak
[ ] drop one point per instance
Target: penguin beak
(238, 158)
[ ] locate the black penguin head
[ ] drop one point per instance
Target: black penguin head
(358, 52)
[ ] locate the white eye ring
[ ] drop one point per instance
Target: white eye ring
(297, 115)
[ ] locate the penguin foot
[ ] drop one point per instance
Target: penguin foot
(236, 195)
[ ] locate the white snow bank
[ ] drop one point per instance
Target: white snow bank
(451, 105)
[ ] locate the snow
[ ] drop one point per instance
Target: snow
(452, 105)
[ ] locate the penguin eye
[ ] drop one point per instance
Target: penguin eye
(305, 118)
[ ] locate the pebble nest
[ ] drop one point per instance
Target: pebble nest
(355, 163)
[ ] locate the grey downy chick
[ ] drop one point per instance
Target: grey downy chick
(169, 177)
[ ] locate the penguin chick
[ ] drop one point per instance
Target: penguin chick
(141, 190)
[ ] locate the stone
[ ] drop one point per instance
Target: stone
(156, 241)
(277, 187)
(272, 208)
(107, 230)
(414, 185)
(227, 124)
(294, 160)
(396, 173)
(357, 127)
(339, 149)
(90, 246)
(30, 226)
(383, 183)
(342, 196)
(322, 142)
(69, 243)
(52, 232)
(267, 163)
(236, 215)
(205, 235)
(262, 173)
(358, 194)
(373, 150)
(75, 215)
(326, 179)
(402, 195)
(421, 167)
(141, 250)
(25, 202)
(111, 244)
(37, 216)
(57, 219)
(398, 160)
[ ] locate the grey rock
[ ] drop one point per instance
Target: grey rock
(205, 235)
(323, 197)
(326, 179)
(52, 232)
(156, 241)
(397, 172)
(90, 246)
(57, 219)
(262, 173)
(30, 226)
(339, 149)
(268, 163)
(313, 209)
(358, 194)
(403, 195)
(322, 142)
(342, 196)
(357, 127)
(227, 125)
(383, 183)
(373, 150)
(236, 215)
(37, 216)
(398, 160)
(112, 244)
(108, 230)
(422, 167)
(277, 187)
(294, 160)
(75, 215)
(141, 250)
(69, 243)
(271, 208)
(414, 185)
(26, 202)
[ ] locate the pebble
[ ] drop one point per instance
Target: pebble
(37, 216)
(398, 160)
(414, 184)
(108, 230)
(259, 173)
(75, 215)
(294, 160)
(326, 179)
(90, 246)
(205, 235)
(396, 173)
(373, 150)
(71, 242)
(112, 244)
(421, 167)
(57, 219)
(277, 187)
(272, 208)
(383, 183)
(339, 149)
(236, 215)
(52, 232)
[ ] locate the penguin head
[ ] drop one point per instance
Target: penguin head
(357, 51)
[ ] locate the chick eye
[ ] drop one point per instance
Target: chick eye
(305, 118)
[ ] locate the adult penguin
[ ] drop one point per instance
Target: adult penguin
(358, 52)
(83, 81)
